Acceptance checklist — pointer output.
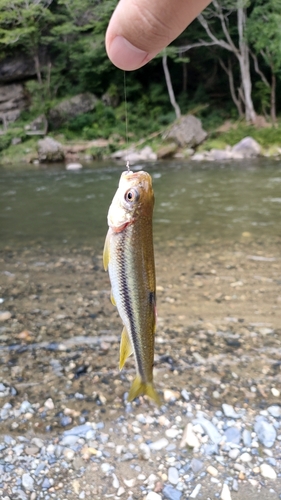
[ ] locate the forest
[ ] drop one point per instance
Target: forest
(224, 66)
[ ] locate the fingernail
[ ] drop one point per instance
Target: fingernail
(126, 56)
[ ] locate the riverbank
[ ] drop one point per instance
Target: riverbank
(66, 428)
(218, 145)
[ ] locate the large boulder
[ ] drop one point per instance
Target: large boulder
(69, 108)
(12, 101)
(186, 132)
(247, 148)
(50, 150)
(17, 68)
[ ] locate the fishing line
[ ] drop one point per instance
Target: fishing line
(126, 119)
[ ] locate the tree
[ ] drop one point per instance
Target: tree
(23, 23)
(264, 32)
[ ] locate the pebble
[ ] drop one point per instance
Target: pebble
(5, 315)
(229, 411)
(233, 435)
(27, 482)
(245, 457)
(267, 471)
(196, 465)
(159, 445)
(115, 483)
(274, 411)
(265, 432)
(275, 392)
(49, 404)
(74, 166)
(144, 451)
(212, 471)
(153, 496)
(210, 429)
(225, 493)
(195, 492)
(173, 475)
(189, 438)
(171, 493)
(246, 436)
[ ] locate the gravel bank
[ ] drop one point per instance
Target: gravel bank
(66, 431)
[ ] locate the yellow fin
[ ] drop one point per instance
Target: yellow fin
(138, 387)
(112, 299)
(125, 348)
(106, 252)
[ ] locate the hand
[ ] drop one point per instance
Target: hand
(140, 29)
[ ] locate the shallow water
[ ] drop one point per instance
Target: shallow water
(197, 202)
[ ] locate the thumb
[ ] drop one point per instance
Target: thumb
(140, 29)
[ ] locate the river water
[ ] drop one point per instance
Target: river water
(196, 202)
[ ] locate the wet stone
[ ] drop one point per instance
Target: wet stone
(265, 432)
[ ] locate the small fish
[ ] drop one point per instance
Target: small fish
(128, 256)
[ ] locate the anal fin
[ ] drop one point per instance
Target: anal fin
(126, 348)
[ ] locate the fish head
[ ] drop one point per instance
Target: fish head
(133, 197)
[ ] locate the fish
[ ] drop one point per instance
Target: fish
(129, 258)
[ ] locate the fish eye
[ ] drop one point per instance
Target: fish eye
(132, 195)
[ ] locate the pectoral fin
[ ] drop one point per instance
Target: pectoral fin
(106, 252)
(125, 348)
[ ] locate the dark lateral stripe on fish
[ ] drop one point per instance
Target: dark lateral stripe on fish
(126, 295)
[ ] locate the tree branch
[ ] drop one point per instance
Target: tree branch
(258, 70)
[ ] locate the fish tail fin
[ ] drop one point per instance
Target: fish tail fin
(139, 387)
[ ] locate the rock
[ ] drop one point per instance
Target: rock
(17, 68)
(198, 157)
(50, 150)
(247, 438)
(27, 482)
(159, 445)
(212, 471)
(5, 315)
(189, 438)
(12, 102)
(220, 154)
(15, 141)
(267, 471)
(229, 411)
(265, 432)
(49, 404)
(39, 126)
(173, 475)
(171, 493)
(233, 435)
(225, 493)
(167, 150)
(186, 132)
(195, 492)
(70, 108)
(74, 166)
(274, 411)
(133, 156)
(144, 451)
(247, 148)
(210, 429)
(196, 465)
(153, 496)
(245, 457)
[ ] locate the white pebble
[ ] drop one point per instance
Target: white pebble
(115, 483)
(245, 457)
(268, 471)
(159, 445)
(153, 496)
(275, 392)
(195, 491)
(189, 438)
(225, 493)
(144, 451)
(171, 433)
(121, 491)
(49, 404)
